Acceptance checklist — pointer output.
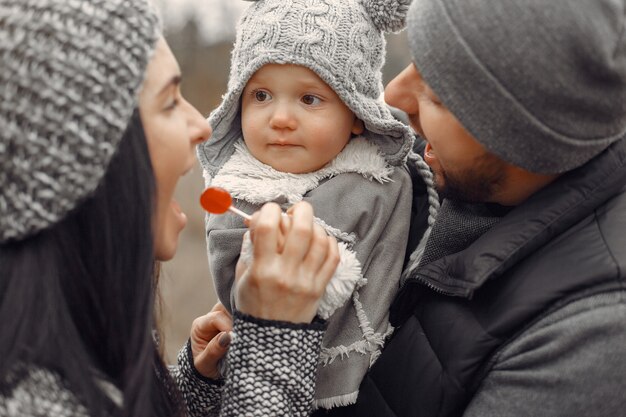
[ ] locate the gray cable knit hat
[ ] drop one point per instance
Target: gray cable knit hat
(542, 84)
(340, 40)
(70, 71)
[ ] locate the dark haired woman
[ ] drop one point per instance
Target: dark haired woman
(94, 136)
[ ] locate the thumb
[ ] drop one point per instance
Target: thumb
(206, 362)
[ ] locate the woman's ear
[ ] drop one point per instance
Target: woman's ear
(358, 127)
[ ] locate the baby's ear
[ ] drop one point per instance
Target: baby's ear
(358, 127)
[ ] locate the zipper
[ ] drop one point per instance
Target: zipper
(456, 292)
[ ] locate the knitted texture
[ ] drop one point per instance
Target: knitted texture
(458, 225)
(541, 84)
(340, 40)
(278, 374)
(202, 395)
(41, 392)
(70, 71)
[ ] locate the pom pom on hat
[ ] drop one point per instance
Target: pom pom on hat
(388, 15)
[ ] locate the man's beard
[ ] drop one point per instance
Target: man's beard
(477, 184)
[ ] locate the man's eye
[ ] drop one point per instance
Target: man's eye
(261, 95)
(310, 100)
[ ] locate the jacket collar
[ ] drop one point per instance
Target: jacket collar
(546, 214)
(247, 178)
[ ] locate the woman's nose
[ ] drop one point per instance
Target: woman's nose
(200, 129)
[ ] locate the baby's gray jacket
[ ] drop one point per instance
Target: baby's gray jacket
(363, 202)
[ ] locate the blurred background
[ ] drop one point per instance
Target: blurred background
(201, 34)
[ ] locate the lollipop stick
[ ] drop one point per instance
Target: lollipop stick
(240, 213)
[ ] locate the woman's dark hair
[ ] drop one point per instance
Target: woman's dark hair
(78, 297)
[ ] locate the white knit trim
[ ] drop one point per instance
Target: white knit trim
(338, 401)
(248, 179)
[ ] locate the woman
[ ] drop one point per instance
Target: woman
(94, 135)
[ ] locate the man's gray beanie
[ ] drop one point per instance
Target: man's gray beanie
(540, 83)
(70, 71)
(341, 41)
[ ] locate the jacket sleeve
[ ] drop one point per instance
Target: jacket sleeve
(271, 371)
(271, 368)
(374, 219)
(570, 363)
(202, 395)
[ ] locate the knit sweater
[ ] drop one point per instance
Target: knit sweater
(273, 373)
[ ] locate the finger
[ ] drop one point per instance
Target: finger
(318, 251)
(207, 361)
(253, 221)
(285, 225)
(266, 231)
(209, 325)
(220, 307)
(241, 269)
(300, 233)
(329, 266)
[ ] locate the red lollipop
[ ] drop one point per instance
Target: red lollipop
(217, 200)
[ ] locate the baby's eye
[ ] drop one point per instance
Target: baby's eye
(310, 100)
(261, 95)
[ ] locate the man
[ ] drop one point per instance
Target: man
(514, 302)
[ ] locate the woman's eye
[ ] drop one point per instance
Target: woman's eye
(310, 100)
(261, 95)
(172, 104)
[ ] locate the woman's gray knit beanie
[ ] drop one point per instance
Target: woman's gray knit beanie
(540, 83)
(70, 71)
(340, 40)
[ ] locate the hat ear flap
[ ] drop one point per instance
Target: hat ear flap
(387, 15)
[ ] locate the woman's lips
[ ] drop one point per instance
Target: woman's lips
(180, 216)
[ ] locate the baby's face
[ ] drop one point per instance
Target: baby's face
(292, 120)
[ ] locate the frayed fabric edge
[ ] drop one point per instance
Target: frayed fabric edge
(338, 401)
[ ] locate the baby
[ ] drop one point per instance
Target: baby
(304, 119)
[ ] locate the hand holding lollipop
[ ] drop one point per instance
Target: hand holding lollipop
(217, 200)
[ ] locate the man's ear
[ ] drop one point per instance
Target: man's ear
(358, 127)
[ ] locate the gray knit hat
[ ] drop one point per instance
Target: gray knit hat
(540, 83)
(70, 71)
(340, 40)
